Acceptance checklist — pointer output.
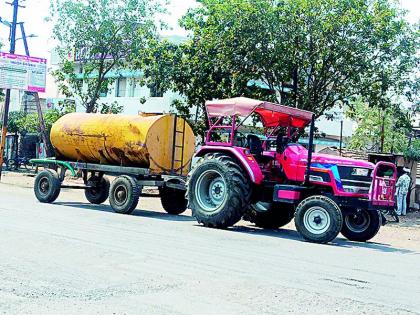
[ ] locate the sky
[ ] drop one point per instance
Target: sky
(35, 11)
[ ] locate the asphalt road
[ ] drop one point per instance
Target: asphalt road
(75, 258)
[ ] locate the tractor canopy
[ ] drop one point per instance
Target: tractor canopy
(272, 115)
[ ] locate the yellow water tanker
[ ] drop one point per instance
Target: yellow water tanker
(127, 140)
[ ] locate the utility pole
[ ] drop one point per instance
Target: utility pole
(382, 132)
(15, 5)
(42, 127)
(341, 137)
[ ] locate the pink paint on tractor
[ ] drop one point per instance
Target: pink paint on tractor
(270, 179)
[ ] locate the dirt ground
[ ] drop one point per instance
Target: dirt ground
(405, 234)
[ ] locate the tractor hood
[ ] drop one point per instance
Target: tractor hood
(338, 160)
(302, 154)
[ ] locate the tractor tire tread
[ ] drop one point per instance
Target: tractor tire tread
(335, 214)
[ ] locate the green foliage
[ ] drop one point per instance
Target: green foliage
(113, 108)
(339, 50)
(184, 110)
(412, 153)
(14, 122)
(102, 36)
(19, 122)
(370, 123)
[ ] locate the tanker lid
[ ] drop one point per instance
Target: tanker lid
(143, 114)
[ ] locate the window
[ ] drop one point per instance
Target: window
(132, 88)
(121, 86)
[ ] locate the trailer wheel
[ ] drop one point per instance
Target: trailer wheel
(47, 186)
(318, 219)
(273, 218)
(124, 194)
(12, 165)
(100, 190)
(218, 191)
(173, 200)
(362, 226)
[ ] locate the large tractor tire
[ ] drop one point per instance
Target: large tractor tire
(219, 191)
(47, 186)
(318, 219)
(124, 194)
(99, 190)
(361, 226)
(173, 200)
(274, 218)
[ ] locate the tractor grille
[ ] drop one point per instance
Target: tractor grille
(355, 179)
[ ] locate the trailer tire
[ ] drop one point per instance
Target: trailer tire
(98, 194)
(361, 227)
(11, 165)
(318, 219)
(124, 194)
(47, 186)
(272, 219)
(173, 200)
(218, 191)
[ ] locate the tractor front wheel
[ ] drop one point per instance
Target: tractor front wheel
(318, 219)
(361, 226)
(219, 191)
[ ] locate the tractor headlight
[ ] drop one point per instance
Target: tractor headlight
(315, 178)
(320, 177)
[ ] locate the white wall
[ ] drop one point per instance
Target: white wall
(129, 95)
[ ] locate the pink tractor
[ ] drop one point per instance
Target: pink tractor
(271, 179)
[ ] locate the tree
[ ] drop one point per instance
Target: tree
(375, 125)
(412, 153)
(336, 50)
(102, 37)
(19, 122)
(14, 121)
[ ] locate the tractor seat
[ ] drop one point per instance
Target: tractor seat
(254, 144)
(281, 143)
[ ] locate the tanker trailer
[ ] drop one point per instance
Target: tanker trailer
(139, 150)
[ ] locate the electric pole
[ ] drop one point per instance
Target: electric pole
(41, 128)
(15, 5)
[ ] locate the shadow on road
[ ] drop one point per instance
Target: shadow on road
(339, 241)
(280, 233)
(137, 212)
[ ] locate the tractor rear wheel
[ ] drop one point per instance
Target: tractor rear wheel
(173, 200)
(273, 218)
(361, 226)
(99, 190)
(318, 219)
(219, 191)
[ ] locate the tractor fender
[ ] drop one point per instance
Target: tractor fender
(244, 158)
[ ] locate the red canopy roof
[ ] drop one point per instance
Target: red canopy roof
(272, 114)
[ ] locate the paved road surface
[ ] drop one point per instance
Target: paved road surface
(75, 258)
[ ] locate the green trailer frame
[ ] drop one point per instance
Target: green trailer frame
(128, 184)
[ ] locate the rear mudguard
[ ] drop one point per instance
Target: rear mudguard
(242, 155)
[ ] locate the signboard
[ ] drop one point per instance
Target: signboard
(22, 72)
